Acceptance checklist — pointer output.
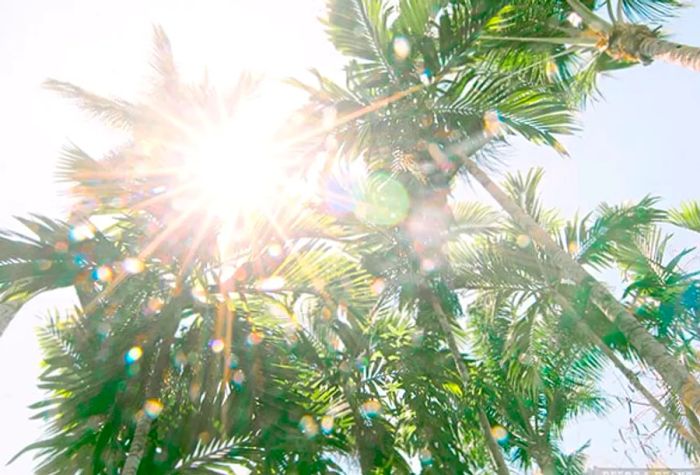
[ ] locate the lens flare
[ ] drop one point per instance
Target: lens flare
(371, 409)
(378, 286)
(402, 48)
(238, 378)
(271, 284)
(493, 125)
(81, 232)
(103, 274)
(154, 305)
(522, 241)
(217, 345)
(327, 423)
(425, 457)
(308, 426)
(575, 19)
(385, 201)
(254, 339)
(499, 433)
(133, 265)
(274, 250)
(133, 355)
(153, 408)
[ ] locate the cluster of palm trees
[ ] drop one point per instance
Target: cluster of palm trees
(381, 326)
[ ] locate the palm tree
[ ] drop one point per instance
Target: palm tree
(512, 268)
(677, 377)
(433, 133)
(174, 358)
(186, 357)
(637, 42)
(536, 396)
(572, 27)
(424, 89)
(168, 366)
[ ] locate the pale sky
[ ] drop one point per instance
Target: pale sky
(641, 139)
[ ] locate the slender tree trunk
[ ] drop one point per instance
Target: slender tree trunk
(637, 384)
(669, 52)
(544, 459)
(673, 372)
(632, 378)
(537, 445)
(694, 424)
(137, 447)
(7, 313)
(639, 43)
(492, 445)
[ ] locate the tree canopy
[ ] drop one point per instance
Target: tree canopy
(359, 317)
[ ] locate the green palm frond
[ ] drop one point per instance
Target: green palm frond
(612, 227)
(359, 29)
(54, 257)
(524, 189)
(219, 456)
(686, 216)
(534, 114)
(650, 10)
(473, 218)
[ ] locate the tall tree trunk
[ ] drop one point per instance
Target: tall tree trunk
(537, 444)
(7, 313)
(639, 386)
(491, 444)
(673, 372)
(589, 335)
(137, 447)
(639, 43)
(544, 459)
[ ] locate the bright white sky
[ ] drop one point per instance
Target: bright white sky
(642, 139)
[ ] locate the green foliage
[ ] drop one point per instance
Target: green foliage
(335, 338)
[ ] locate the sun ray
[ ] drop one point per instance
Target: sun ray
(199, 237)
(142, 256)
(173, 193)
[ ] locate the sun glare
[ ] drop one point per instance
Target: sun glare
(237, 167)
(235, 171)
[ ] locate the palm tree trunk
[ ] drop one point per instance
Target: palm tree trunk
(137, 446)
(7, 313)
(143, 427)
(639, 43)
(669, 52)
(537, 445)
(632, 378)
(544, 460)
(637, 384)
(673, 373)
(484, 424)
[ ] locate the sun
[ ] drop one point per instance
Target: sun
(240, 166)
(236, 168)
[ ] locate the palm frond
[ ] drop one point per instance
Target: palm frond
(359, 29)
(650, 10)
(218, 456)
(687, 216)
(113, 112)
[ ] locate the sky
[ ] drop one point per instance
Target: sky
(640, 139)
